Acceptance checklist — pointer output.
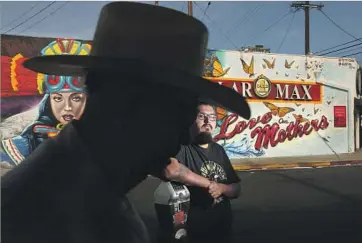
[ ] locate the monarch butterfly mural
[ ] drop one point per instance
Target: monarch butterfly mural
(248, 68)
(278, 111)
(213, 67)
(300, 118)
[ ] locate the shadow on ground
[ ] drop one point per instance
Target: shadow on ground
(310, 206)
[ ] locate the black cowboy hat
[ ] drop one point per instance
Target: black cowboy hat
(161, 43)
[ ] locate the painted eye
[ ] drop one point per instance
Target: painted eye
(76, 98)
(57, 99)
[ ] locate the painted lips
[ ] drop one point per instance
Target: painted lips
(68, 117)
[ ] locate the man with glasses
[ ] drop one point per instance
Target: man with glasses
(210, 216)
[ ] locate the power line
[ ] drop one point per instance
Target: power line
(208, 5)
(354, 49)
(286, 33)
(337, 46)
(207, 16)
(183, 6)
(240, 20)
(20, 16)
(244, 19)
(344, 48)
(352, 54)
(47, 16)
(272, 25)
(338, 26)
(247, 18)
(30, 17)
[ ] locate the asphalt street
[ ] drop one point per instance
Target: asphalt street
(303, 205)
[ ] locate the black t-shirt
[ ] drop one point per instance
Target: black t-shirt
(212, 163)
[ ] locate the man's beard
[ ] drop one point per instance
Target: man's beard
(203, 138)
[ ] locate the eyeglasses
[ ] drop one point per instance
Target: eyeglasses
(202, 116)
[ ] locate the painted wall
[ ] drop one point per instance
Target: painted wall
(300, 106)
(35, 107)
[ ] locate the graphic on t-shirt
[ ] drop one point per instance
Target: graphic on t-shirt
(213, 171)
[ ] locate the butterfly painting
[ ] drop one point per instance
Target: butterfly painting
(249, 69)
(221, 114)
(270, 65)
(288, 65)
(300, 118)
(213, 67)
(278, 111)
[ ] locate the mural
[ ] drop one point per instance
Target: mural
(300, 105)
(53, 101)
(293, 101)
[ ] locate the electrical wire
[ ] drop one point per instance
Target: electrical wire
(338, 26)
(341, 49)
(20, 16)
(183, 6)
(47, 16)
(354, 54)
(286, 33)
(272, 25)
(337, 46)
(248, 18)
(220, 31)
(244, 19)
(34, 15)
(208, 5)
(354, 49)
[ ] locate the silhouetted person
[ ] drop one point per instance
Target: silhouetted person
(144, 79)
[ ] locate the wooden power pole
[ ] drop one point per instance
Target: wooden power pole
(190, 8)
(306, 6)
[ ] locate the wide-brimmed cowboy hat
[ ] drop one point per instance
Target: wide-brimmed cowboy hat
(162, 44)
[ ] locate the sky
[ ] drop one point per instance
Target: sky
(231, 24)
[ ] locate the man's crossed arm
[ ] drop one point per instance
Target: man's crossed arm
(231, 191)
(176, 171)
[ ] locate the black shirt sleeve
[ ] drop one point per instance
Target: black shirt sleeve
(230, 172)
(181, 156)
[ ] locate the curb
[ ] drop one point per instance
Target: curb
(296, 165)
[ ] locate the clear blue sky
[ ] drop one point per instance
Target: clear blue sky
(78, 20)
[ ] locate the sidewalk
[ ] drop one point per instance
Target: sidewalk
(297, 161)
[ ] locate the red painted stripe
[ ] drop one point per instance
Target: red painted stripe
(355, 162)
(14, 150)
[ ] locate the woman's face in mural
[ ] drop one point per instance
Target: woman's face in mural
(67, 106)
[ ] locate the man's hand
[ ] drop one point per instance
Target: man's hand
(216, 189)
(230, 191)
(174, 169)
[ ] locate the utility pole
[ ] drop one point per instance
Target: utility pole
(306, 6)
(189, 7)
